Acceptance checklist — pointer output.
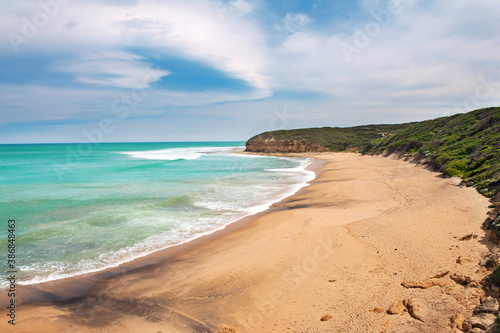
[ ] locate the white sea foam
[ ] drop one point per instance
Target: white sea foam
(228, 213)
(217, 205)
(298, 169)
(172, 154)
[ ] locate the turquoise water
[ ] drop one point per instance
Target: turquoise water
(83, 208)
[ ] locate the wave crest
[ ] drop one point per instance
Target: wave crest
(172, 154)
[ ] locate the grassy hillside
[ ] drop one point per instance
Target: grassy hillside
(335, 138)
(466, 145)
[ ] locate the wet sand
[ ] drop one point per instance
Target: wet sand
(341, 247)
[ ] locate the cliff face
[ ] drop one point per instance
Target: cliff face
(271, 145)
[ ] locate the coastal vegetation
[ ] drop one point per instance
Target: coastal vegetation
(465, 145)
(334, 138)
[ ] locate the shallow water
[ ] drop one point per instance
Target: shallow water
(83, 208)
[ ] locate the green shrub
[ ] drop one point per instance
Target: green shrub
(466, 145)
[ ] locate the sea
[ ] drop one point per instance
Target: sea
(82, 208)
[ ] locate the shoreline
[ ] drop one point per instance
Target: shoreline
(341, 247)
(75, 286)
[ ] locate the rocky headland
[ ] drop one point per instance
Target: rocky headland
(271, 145)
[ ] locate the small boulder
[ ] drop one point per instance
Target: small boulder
(326, 317)
(461, 260)
(482, 270)
(456, 321)
(396, 308)
(377, 310)
(226, 330)
(490, 305)
(439, 275)
(481, 320)
(461, 279)
(467, 237)
(417, 308)
(476, 330)
(421, 284)
(493, 261)
(474, 284)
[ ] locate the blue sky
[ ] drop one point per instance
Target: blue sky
(214, 70)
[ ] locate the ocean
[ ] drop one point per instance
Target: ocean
(81, 208)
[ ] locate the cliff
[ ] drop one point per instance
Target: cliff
(319, 139)
(271, 145)
(465, 145)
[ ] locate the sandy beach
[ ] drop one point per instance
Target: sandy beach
(339, 248)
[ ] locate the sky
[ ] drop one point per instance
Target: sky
(225, 70)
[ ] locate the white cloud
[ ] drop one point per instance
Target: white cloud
(431, 57)
(296, 19)
(301, 43)
(191, 29)
(427, 58)
(31, 103)
(115, 69)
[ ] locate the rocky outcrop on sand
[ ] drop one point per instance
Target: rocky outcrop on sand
(481, 288)
(482, 321)
(397, 308)
(461, 279)
(489, 305)
(457, 321)
(426, 284)
(493, 221)
(417, 308)
(227, 330)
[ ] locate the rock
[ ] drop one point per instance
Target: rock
(455, 180)
(448, 289)
(461, 279)
(493, 261)
(473, 284)
(456, 321)
(476, 330)
(467, 237)
(397, 308)
(326, 317)
(482, 270)
(417, 308)
(490, 305)
(461, 260)
(377, 310)
(421, 284)
(439, 275)
(481, 320)
(261, 144)
(495, 237)
(226, 330)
